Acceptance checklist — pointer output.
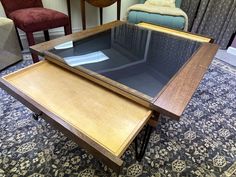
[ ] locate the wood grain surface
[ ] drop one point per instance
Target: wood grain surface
(106, 82)
(175, 32)
(91, 146)
(109, 119)
(174, 98)
(101, 3)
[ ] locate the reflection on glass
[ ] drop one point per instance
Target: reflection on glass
(65, 45)
(89, 58)
(138, 58)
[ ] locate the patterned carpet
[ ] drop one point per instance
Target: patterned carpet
(202, 143)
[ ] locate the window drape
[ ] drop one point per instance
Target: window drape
(214, 18)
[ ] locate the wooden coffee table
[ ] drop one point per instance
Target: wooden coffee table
(103, 105)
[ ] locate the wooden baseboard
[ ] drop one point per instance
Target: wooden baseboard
(39, 37)
(231, 50)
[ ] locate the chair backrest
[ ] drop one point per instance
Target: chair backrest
(177, 2)
(12, 5)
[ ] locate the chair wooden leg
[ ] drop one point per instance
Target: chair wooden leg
(46, 35)
(83, 13)
(101, 16)
(69, 10)
(31, 42)
(67, 29)
(118, 9)
(18, 36)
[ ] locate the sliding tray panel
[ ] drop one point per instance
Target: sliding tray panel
(100, 120)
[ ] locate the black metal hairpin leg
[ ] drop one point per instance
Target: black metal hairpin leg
(139, 152)
(36, 116)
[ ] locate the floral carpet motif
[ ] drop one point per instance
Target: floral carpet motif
(202, 143)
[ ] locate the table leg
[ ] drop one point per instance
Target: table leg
(118, 9)
(83, 13)
(69, 10)
(101, 15)
(152, 124)
(18, 37)
(153, 121)
(37, 115)
(139, 152)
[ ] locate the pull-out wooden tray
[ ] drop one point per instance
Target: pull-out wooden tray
(97, 119)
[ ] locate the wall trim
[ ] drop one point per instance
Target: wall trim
(52, 32)
(231, 50)
(39, 36)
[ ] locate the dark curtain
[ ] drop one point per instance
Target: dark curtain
(214, 18)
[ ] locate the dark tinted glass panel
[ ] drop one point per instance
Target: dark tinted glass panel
(138, 58)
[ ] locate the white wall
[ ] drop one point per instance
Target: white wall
(92, 13)
(92, 16)
(2, 14)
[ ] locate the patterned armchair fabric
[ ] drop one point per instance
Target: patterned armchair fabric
(30, 16)
(177, 2)
(176, 22)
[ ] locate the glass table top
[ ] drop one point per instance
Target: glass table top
(138, 58)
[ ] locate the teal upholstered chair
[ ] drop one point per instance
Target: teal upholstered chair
(163, 20)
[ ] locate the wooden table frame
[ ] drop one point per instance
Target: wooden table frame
(171, 101)
(167, 102)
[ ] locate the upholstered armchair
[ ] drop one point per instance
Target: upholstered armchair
(10, 52)
(30, 16)
(176, 22)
